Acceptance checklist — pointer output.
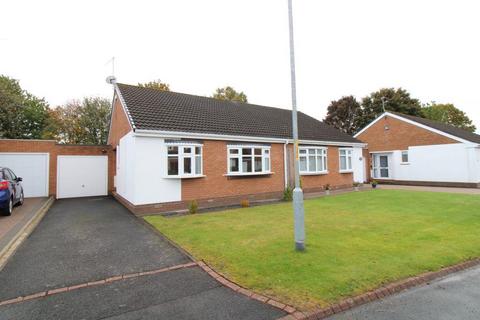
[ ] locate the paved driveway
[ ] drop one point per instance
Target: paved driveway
(84, 240)
(454, 297)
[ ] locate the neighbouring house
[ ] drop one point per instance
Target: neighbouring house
(173, 148)
(411, 150)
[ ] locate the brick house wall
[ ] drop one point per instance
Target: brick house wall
(216, 184)
(55, 149)
(314, 183)
(120, 125)
(399, 136)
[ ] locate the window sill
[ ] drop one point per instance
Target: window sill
(242, 174)
(185, 177)
(313, 173)
(404, 163)
(346, 171)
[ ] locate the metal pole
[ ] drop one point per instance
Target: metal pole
(298, 211)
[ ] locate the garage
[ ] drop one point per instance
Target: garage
(32, 167)
(82, 176)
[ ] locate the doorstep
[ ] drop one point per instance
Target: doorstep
(15, 228)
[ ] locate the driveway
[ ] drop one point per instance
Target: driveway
(454, 297)
(11, 225)
(86, 240)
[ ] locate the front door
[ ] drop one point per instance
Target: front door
(381, 169)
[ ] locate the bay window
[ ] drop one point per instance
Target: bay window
(248, 160)
(184, 160)
(313, 160)
(345, 156)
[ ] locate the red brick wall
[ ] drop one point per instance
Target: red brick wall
(216, 184)
(312, 183)
(400, 136)
(120, 125)
(50, 146)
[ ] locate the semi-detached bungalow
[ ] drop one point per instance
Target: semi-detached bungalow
(411, 150)
(173, 148)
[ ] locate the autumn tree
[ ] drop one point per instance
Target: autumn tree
(156, 84)
(449, 114)
(344, 114)
(80, 122)
(228, 93)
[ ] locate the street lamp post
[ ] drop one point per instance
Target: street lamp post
(298, 211)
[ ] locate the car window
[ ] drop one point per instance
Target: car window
(1, 175)
(7, 175)
(14, 177)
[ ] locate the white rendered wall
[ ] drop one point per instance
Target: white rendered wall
(438, 163)
(126, 167)
(358, 164)
(151, 184)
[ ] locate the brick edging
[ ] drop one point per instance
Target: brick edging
(381, 292)
(246, 292)
(95, 283)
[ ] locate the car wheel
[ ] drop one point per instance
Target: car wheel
(8, 210)
(22, 199)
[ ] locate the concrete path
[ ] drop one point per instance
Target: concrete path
(431, 189)
(21, 215)
(86, 240)
(454, 297)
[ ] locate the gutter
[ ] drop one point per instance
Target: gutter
(285, 168)
(211, 136)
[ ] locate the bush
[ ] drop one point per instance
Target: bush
(356, 184)
(288, 194)
(245, 203)
(327, 186)
(193, 207)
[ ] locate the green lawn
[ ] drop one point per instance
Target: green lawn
(355, 242)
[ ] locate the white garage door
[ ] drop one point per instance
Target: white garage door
(82, 176)
(32, 167)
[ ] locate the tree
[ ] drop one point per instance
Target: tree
(22, 115)
(84, 122)
(228, 93)
(449, 114)
(344, 114)
(397, 100)
(156, 84)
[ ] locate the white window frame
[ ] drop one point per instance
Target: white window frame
(348, 154)
(320, 152)
(181, 155)
(266, 155)
(401, 157)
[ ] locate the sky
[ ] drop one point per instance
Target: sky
(60, 50)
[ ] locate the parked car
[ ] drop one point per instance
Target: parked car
(11, 191)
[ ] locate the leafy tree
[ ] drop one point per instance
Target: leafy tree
(156, 84)
(448, 113)
(397, 100)
(80, 122)
(344, 114)
(228, 93)
(22, 115)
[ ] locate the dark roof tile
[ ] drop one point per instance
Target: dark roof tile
(152, 109)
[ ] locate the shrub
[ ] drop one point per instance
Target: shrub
(288, 194)
(245, 203)
(327, 186)
(193, 207)
(356, 184)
